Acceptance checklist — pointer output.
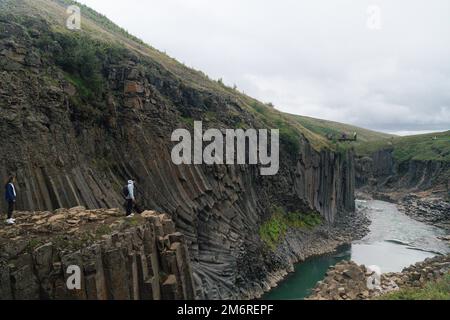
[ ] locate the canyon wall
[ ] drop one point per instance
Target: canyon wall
(381, 172)
(68, 150)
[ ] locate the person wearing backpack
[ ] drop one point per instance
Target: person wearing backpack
(130, 200)
(10, 197)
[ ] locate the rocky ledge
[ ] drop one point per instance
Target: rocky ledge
(120, 258)
(349, 281)
(431, 210)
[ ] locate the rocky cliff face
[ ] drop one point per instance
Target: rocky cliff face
(140, 258)
(375, 169)
(71, 145)
(382, 172)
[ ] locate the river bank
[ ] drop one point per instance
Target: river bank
(349, 281)
(393, 242)
(430, 207)
(300, 246)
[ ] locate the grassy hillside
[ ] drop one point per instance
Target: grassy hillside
(433, 146)
(325, 127)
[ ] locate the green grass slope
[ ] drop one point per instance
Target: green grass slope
(433, 146)
(325, 127)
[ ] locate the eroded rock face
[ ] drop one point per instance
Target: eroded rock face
(120, 258)
(68, 151)
(381, 172)
(431, 210)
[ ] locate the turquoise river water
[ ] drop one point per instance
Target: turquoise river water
(394, 242)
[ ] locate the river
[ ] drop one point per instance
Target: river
(394, 242)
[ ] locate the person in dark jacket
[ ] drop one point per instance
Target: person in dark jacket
(10, 197)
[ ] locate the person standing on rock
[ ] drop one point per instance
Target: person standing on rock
(10, 197)
(129, 198)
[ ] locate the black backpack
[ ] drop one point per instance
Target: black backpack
(125, 191)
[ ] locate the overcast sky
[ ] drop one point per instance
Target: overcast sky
(342, 60)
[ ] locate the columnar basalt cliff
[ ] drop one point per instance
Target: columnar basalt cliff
(141, 258)
(420, 187)
(74, 137)
(382, 172)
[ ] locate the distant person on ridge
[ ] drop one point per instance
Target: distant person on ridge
(130, 199)
(10, 197)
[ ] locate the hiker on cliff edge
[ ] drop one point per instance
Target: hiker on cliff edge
(128, 192)
(10, 197)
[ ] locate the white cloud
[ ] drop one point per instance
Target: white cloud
(315, 58)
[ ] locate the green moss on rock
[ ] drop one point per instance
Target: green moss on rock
(273, 231)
